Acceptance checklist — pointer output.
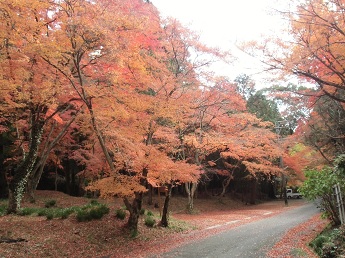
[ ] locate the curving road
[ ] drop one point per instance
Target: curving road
(249, 240)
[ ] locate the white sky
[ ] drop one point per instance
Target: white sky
(222, 23)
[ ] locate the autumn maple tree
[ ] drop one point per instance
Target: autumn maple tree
(30, 89)
(163, 95)
(312, 50)
(324, 130)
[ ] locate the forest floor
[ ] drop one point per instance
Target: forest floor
(39, 237)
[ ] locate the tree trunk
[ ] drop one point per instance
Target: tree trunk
(74, 184)
(3, 184)
(34, 178)
(150, 195)
(19, 181)
(165, 213)
(331, 208)
(190, 190)
(30, 190)
(69, 169)
(36, 175)
(284, 180)
(56, 179)
(191, 187)
(3, 181)
(252, 191)
(100, 137)
(225, 185)
(134, 208)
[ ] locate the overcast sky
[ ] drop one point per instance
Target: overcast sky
(223, 23)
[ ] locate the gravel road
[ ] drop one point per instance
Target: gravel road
(249, 240)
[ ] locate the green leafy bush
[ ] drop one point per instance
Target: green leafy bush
(48, 212)
(83, 215)
(64, 213)
(120, 214)
(149, 213)
(50, 203)
(134, 233)
(150, 221)
(42, 212)
(49, 216)
(94, 202)
(318, 242)
(28, 211)
(330, 243)
(99, 211)
(319, 186)
(91, 212)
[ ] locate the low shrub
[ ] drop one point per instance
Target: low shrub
(42, 212)
(319, 242)
(28, 211)
(120, 214)
(3, 210)
(330, 243)
(134, 233)
(64, 213)
(50, 203)
(94, 202)
(150, 221)
(49, 216)
(99, 211)
(83, 215)
(48, 212)
(149, 213)
(91, 212)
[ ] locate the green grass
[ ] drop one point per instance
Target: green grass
(179, 226)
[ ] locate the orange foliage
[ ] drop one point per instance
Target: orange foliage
(147, 102)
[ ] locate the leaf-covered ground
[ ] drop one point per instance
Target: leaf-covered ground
(295, 241)
(108, 237)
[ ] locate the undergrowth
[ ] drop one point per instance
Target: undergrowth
(120, 214)
(330, 243)
(91, 211)
(50, 203)
(179, 225)
(3, 208)
(149, 219)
